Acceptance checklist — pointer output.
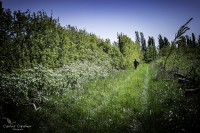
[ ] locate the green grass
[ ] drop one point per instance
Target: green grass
(107, 105)
(168, 109)
(127, 101)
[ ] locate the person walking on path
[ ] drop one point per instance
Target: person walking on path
(136, 63)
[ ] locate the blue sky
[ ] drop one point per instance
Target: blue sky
(106, 18)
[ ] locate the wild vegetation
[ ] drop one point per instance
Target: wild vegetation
(64, 79)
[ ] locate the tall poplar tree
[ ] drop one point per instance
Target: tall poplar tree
(160, 42)
(151, 50)
(143, 42)
(137, 38)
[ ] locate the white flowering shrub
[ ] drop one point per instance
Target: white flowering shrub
(78, 73)
(36, 84)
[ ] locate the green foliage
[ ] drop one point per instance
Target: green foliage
(126, 101)
(117, 57)
(33, 39)
(185, 60)
(168, 109)
(163, 45)
(151, 52)
(31, 85)
(107, 105)
(129, 50)
(143, 42)
(137, 38)
(178, 37)
(29, 39)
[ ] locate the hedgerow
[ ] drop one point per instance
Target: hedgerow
(37, 84)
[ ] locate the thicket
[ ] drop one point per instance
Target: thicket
(39, 58)
(169, 108)
(182, 55)
(148, 49)
(179, 62)
(29, 39)
(127, 48)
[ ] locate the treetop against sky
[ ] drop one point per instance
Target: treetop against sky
(106, 18)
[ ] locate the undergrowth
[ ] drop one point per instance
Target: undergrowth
(168, 108)
(125, 101)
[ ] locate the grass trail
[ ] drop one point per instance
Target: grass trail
(125, 102)
(117, 90)
(113, 101)
(107, 105)
(145, 90)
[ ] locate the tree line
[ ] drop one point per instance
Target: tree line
(29, 39)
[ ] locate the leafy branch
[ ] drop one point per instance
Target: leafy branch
(178, 37)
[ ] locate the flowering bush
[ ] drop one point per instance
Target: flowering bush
(34, 85)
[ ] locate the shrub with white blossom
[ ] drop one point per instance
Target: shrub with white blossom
(35, 85)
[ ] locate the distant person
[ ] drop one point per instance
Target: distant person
(136, 63)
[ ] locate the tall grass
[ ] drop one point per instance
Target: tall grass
(168, 109)
(125, 101)
(107, 105)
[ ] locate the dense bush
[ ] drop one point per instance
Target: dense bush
(185, 60)
(40, 39)
(35, 85)
(129, 50)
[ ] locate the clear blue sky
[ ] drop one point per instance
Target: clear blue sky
(107, 17)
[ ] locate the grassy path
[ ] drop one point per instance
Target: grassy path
(145, 90)
(127, 101)
(118, 88)
(113, 101)
(110, 104)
